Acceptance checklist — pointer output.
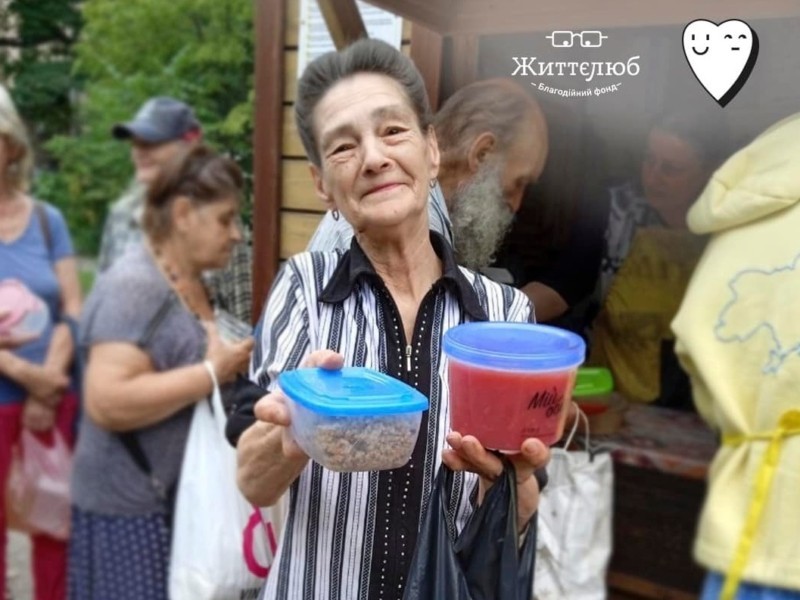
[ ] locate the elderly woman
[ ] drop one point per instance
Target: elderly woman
(35, 249)
(364, 119)
(152, 355)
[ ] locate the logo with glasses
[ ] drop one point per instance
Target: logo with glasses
(567, 75)
(585, 39)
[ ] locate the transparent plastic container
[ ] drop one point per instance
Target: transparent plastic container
(354, 419)
(231, 329)
(26, 315)
(511, 381)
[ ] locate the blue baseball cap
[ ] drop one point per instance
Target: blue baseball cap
(161, 119)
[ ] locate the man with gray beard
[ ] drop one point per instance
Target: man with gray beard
(480, 216)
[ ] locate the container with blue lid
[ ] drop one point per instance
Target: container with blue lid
(514, 346)
(353, 419)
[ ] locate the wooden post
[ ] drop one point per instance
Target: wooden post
(426, 52)
(343, 20)
(267, 136)
(465, 59)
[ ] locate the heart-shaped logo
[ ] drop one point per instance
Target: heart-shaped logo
(721, 56)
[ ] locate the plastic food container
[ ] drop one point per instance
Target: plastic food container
(511, 381)
(594, 393)
(355, 419)
(26, 315)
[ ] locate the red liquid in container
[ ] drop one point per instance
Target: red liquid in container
(502, 408)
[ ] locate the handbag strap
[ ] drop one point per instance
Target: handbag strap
(44, 224)
(130, 439)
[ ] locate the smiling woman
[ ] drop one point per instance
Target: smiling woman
(364, 120)
(376, 161)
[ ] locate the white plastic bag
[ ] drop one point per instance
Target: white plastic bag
(38, 485)
(211, 516)
(574, 527)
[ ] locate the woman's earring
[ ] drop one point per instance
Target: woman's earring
(335, 214)
(433, 183)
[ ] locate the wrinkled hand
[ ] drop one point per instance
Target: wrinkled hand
(467, 454)
(228, 359)
(272, 408)
(38, 417)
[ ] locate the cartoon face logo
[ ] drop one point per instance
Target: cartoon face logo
(721, 56)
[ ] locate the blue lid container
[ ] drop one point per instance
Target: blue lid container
(351, 391)
(514, 346)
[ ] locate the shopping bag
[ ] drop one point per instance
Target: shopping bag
(485, 561)
(211, 517)
(574, 542)
(38, 485)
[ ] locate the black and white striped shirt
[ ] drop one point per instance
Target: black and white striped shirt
(352, 535)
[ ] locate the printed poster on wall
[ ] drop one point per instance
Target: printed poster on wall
(314, 38)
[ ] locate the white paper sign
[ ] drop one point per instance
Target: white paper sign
(314, 38)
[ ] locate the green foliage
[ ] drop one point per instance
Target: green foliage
(200, 51)
(36, 57)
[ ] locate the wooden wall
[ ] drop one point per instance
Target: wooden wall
(301, 210)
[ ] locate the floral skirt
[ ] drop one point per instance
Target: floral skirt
(119, 557)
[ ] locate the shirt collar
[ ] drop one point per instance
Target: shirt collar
(355, 265)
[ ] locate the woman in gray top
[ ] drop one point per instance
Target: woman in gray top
(153, 352)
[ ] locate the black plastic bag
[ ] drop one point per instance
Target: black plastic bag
(485, 562)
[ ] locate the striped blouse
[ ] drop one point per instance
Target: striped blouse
(352, 535)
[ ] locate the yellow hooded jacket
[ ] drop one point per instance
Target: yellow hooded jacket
(738, 336)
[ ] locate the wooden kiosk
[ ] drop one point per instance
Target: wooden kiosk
(455, 42)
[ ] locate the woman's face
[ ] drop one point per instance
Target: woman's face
(673, 175)
(210, 230)
(376, 162)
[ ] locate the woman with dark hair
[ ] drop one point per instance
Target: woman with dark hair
(648, 255)
(364, 119)
(153, 352)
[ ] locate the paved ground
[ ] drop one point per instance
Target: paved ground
(19, 567)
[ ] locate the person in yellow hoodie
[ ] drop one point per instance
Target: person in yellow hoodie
(738, 337)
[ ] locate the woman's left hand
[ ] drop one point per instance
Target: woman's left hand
(467, 454)
(37, 416)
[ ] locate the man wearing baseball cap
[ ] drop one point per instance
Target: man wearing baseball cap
(161, 130)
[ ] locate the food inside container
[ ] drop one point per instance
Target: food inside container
(510, 381)
(353, 419)
(594, 393)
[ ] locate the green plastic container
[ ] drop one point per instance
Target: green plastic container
(593, 381)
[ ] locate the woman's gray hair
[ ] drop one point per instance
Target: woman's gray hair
(363, 56)
(19, 168)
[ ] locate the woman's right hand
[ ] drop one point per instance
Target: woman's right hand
(228, 359)
(272, 407)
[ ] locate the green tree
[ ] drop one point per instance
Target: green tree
(200, 51)
(36, 56)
